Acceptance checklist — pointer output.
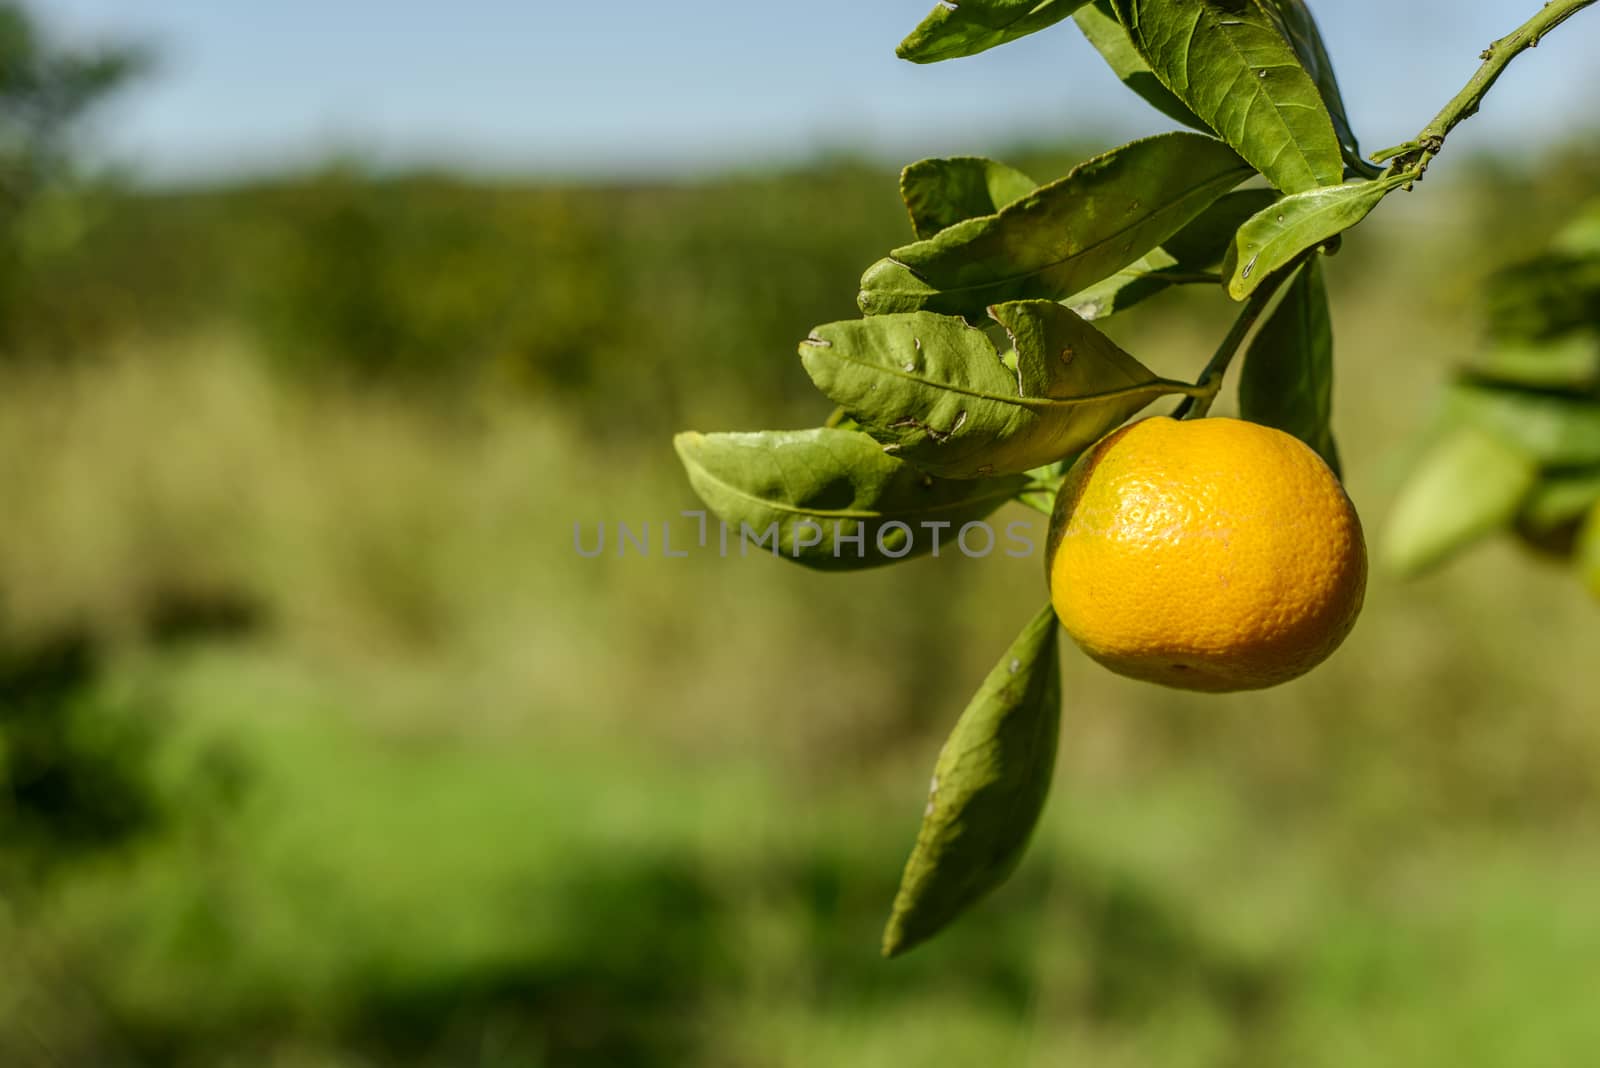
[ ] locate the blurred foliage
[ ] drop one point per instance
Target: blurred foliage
(46, 90)
(322, 748)
(1516, 445)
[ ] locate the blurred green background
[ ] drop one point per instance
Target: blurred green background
(321, 746)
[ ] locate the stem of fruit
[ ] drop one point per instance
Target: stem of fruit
(1417, 154)
(1209, 384)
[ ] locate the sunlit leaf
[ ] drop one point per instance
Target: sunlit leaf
(966, 27)
(937, 393)
(1062, 237)
(942, 192)
(989, 787)
(1229, 63)
(1468, 484)
(1281, 231)
(1287, 381)
(820, 490)
(1300, 29)
(1099, 24)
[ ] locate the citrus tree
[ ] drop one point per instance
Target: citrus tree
(1203, 553)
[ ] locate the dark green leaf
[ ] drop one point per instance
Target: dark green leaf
(1099, 24)
(1228, 61)
(1545, 297)
(1568, 362)
(942, 192)
(1150, 274)
(1560, 499)
(1062, 237)
(1205, 241)
(936, 392)
(1279, 232)
(1300, 29)
(1555, 430)
(989, 787)
(965, 28)
(1182, 259)
(1287, 380)
(829, 486)
(1468, 484)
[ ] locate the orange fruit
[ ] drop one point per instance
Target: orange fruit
(1211, 554)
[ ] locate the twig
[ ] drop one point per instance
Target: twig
(1417, 154)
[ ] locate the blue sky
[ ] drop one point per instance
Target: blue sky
(637, 86)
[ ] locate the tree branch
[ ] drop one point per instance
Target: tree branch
(1415, 155)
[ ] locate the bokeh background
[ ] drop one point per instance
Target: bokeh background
(321, 326)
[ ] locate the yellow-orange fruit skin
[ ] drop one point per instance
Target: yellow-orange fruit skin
(1211, 554)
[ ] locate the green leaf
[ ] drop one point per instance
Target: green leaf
(1299, 28)
(1287, 382)
(1179, 261)
(1099, 24)
(1556, 430)
(1278, 233)
(1205, 241)
(965, 28)
(1150, 274)
(989, 787)
(1227, 60)
(1544, 297)
(1062, 237)
(938, 394)
(942, 192)
(1560, 500)
(1581, 236)
(1467, 485)
(828, 487)
(1568, 362)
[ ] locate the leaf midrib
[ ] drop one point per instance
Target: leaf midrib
(1181, 200)
(1221, 29)
(851, 513)
(1020, 402)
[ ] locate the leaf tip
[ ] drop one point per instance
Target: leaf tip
(897, 939)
